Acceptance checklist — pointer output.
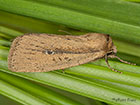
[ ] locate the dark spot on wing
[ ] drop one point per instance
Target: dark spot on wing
(32, 44)
(66, 58)
(28, 53)
(60, 59)
(36, 46)
(42, 42)
(29, 58)
(49, 52)
(68, 38)
(53, 59)
(33, 49)
(69, 59)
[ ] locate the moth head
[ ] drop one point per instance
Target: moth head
(112, 50)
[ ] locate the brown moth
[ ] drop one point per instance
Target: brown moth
(48, 52)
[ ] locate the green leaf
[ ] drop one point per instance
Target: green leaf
(36, 91)
(24, 97)
(19, 25)
(118, 18)
(80, 86)
(9, 31)
(4, 42)
(7, 101)
(127, 48)
(85, 87)
(133, 0)
(111, 16)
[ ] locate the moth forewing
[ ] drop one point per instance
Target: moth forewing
(48, 52)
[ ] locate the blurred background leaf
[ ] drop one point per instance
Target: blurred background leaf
(133, 0)
(87, 84)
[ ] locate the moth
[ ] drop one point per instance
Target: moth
(48, 52)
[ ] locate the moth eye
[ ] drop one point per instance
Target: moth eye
(49, 52)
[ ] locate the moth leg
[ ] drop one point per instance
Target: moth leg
(114, 56)
(65, 32)
(106, 60)
(63, 71)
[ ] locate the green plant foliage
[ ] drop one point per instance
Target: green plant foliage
(133, 0)
(88, 84)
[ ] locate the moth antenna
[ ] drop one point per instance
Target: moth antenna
(122, 60)
(106, 60)
(65, 32)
